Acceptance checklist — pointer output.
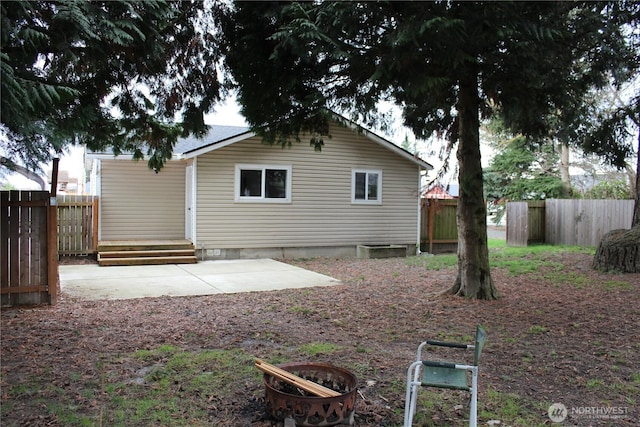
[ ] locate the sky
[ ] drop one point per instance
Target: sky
(228, 114)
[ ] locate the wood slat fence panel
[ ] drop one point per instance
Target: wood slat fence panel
(583, 222)
(536, 221)
(438, 227)
(77, 225)
(27, 275)
(517, 223)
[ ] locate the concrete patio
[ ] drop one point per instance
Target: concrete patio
(203, 278)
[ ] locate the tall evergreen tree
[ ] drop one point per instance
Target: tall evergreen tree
(129, 75)
(520, 171)
(445, 64)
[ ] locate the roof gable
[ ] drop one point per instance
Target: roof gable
(216, 135)
(222, 136)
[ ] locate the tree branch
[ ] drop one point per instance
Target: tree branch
(14, 167)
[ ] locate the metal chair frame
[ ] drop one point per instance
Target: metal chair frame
(442, 374)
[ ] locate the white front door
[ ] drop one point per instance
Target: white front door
(190, 210)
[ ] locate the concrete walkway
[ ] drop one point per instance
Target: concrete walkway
(203, 278)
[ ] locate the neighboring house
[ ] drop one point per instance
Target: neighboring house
(585, 182)
(235, 197)
(66, 184)
(437, 192)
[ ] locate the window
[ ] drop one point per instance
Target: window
(262, 183)
(367, 186)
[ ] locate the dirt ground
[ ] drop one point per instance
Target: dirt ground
(574, 340)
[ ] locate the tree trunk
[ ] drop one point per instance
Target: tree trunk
(565, 177)
(619, 250)
(632, 177)
(635, 222)
(474, 278)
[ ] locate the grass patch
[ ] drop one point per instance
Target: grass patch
(496, 243)
(516, 260)
(68, 415)
(612, 285)
(577, 280)
(529, 259)
(433, 262)
(581, 281)
(509, 408)
(595, 383)
(318, 348)
(449, 408)
(160, 353)
(538, 329)
(52, 398)
(172, 386)
(302, 311)
(519, 266)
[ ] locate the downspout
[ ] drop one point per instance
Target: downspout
(98, 192)
(418, 252)
(194, 202)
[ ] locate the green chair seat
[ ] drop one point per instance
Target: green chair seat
(451, 378)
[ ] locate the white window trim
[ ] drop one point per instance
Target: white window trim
(253, 199)
(353, 187)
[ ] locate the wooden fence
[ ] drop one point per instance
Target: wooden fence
(579, 222)
(583, 222)
(28, 248)
(517, 224)
(77, 225)
(525, 222)
(438, 227)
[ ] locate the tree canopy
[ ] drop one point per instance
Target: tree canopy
(522, 172)
(134, 76)
(127, 75)
(445, 64)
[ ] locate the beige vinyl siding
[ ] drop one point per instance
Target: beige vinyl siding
(320, 212)
(137, 203)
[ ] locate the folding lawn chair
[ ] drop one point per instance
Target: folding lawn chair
(442, 374)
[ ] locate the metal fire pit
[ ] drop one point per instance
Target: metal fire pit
(308, 410)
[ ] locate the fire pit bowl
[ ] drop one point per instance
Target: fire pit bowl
(285, 401)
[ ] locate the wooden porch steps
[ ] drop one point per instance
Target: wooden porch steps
(146, 252)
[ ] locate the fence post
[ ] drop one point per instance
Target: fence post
(96, 209)
(432, 220)
(52, 250)
(52, 235)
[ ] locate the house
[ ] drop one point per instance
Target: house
(234, 197)
(437, 192)
(66, 184)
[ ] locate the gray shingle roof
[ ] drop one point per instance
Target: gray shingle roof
(186, 145)
(216, 134)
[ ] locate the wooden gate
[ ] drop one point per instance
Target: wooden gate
(438, 227)
(28, 248)
(77, 225)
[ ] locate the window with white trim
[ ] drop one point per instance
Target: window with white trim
(366, 186)
(263, 183)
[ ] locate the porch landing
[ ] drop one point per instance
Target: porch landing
(146, 252)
